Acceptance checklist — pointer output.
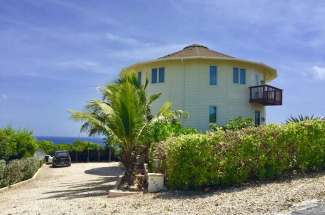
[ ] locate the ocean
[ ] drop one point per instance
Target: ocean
(69, 140)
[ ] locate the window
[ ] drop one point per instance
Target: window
(235, 73)
(242, 76)
(139, 77)
(212, 114)
(257, 118)
(239, 76)
(158, 75)
(161, 74)
(213, 75)
(154, 75)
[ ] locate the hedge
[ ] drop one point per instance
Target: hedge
(18, 170)
(224, 158)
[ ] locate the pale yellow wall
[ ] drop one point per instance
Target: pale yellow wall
(187, 87)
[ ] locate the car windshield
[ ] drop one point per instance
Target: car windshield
(61, 154)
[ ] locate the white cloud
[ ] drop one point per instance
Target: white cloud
(126, 40)
(318, 72)
(146, 52)
(83, 65)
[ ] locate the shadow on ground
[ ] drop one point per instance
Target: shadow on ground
(105, 171)
(98, 187)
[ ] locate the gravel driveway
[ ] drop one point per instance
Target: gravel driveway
(82, 189)
(66, 190)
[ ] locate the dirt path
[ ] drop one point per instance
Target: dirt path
(70, 190)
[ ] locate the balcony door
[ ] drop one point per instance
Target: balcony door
(257, 118)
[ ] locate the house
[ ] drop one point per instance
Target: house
(211, 86)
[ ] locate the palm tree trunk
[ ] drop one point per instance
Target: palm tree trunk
(128, 159)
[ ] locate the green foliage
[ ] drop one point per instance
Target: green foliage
(2, 172)
(8, 147)
(239, 123)
(16, 144)
(230, 157)
(233, 124)
(123, 116)
(47, 146)
(162, 129)
(63, 147)
(18, 170)
(301, 117)
(26, 144)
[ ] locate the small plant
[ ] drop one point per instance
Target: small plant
(301, 117)
(215, 127)
(239, 123)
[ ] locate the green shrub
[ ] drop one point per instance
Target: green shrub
(161, 130)
(47, 146)
(18, 170)
(16, 144)
(26, 143)
(2, 172)
(8, 148)
(230, 157)
(239, 123)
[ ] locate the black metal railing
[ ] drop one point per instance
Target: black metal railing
(265, 95)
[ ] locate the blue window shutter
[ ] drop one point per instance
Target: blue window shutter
(235, 75)
(242, 76)
(154, 75)
(139, 77)
(213, 75)
(161, 74)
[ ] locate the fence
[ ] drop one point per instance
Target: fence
(93, 155)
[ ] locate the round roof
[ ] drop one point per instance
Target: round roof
(197, 51)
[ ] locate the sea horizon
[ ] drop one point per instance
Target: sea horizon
(70, 139)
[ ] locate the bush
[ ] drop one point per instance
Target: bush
(2, 172)
(233, 124)
(8, 148)
(16, 144)
(47, 146)
(239, 123)
(18, 170)
(224, 158)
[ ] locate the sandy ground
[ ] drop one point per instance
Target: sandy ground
(82, 189)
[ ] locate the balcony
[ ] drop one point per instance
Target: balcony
(265, 95)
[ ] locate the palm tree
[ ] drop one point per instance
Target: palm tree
(301, 117)
(122, 115)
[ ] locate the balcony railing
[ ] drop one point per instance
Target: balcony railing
(265, 95)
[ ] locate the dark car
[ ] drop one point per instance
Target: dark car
(61, 158)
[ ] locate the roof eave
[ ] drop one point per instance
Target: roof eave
(271, 72)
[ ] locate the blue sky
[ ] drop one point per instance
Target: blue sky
(55, 53)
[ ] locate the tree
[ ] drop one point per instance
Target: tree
(8, 147)
(122, 116)
(47, 146)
